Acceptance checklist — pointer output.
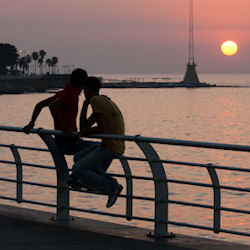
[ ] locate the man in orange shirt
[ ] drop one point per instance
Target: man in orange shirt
(91, 163)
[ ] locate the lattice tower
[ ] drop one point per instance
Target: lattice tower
(191, 34)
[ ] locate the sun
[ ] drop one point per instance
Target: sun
(229, 48)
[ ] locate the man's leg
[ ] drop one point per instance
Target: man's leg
(88, 170)
(72, 147)
(93, 157)
(97, 182)
(84, 159)
(85, 151)
(82, 144)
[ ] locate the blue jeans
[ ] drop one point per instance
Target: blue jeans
(90, 166)
(74, 146)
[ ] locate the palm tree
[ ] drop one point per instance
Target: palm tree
(49, 64)
(54, 61)
(42, 54)
(35, 58)
(27, 63)
(22, 64)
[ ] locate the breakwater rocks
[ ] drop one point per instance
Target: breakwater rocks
(20, 85)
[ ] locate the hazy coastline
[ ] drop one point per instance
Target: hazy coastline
(48, 83)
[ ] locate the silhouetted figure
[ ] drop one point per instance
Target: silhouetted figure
(64, 107)
(92, 163)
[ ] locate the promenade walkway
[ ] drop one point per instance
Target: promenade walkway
(25, 229)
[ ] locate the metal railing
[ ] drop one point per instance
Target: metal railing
(159, 178)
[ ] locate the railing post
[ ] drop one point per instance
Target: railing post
(217, 197)
(62, 173)
(129, 201)
(161, 189)
(19, 173)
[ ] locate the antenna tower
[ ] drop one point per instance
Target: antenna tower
(191, 34)
(191, 75)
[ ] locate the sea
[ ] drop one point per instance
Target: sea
(219, 115)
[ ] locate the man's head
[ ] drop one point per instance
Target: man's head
(92, 86)
(78, 77)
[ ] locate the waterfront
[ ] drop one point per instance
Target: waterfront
(218, 79)
(214, 115)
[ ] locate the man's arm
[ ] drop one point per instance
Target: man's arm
(38, 108)
(99, 129)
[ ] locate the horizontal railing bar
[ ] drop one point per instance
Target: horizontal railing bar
(208, 206)
(172, 181)
(235, 188)
(39, 203)
(92, 192)
(28, 183)
(207, 228)
(188, 183)
(7, 180)
(23, 147)
(208, 185)
(243, 148)
(28, 201)
(140, 198)
(174, 202)
(110, 214)
(39, 184)
(192, 164)
(234, 232)
(133, 177)
(189, 225)
(8, 198)
(189, 204)
(234, 210)
(28, 164)
(204, 165)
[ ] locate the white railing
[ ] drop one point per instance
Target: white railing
(161, 199)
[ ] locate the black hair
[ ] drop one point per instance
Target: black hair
(93, 83)
(77, 76)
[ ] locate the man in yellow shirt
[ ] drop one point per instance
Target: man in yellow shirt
(91, 163)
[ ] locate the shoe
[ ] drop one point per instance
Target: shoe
(114, 195)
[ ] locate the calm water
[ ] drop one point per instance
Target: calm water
(213, 115)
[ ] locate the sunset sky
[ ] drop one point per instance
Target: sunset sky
(130, 36)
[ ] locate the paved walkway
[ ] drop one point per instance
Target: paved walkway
(24, 229)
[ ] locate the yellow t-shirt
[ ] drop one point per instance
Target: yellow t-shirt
(114, 122)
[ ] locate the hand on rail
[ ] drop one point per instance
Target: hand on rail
(67, 131)
(83, 132)
(27, 128)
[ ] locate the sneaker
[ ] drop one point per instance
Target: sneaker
(114, 195)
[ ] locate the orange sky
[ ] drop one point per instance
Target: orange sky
(130, 36)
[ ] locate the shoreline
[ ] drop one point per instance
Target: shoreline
(18, 85)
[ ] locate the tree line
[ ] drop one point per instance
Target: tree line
(14, 64)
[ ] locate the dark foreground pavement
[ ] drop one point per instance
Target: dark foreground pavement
(24, 229)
